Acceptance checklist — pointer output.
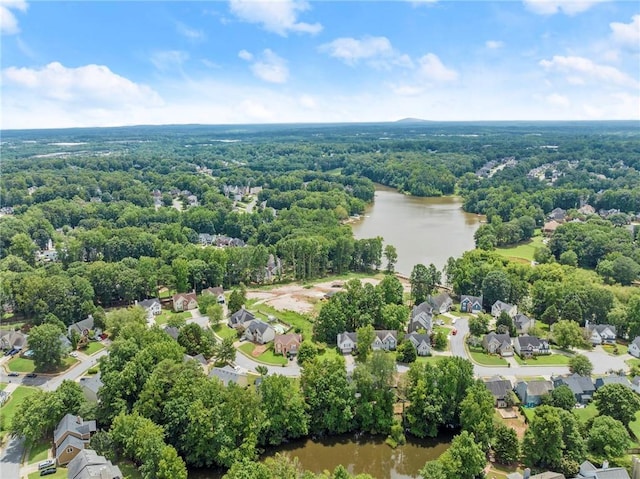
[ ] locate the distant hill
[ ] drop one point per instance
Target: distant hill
(412, 120)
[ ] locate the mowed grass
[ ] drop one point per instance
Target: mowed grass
(61, 473)
(224, 331)
(544, 360)
(296, 320)
(586, 413)
(522, 251)
(8, 410)
(634, 426)
(92, 348)
(485, 359)
(26, 365)
(615, 350)
(267, 357)
(429, 359)
(39, 451)
(163, 318)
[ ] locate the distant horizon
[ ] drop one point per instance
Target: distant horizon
(236, 62)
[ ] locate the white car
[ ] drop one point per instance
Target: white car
(73, 354)
(45, 464)
(453, 321)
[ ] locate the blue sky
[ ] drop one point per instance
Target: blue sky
(94, 63)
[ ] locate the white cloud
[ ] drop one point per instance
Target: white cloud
(558, 100)
(94, 85)
(245, 55)
(277, 16)
(190, 33)
(568, 7)
(493, 44)
(406, 90)
(352, 50)
(627, 34)
(431, 68)
(169, 59)
(587, 68)
(270, 67)
(8, 21)
(307, 101)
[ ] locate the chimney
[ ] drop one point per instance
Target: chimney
(526, 474)
(605, 464)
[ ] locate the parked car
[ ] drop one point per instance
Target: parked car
(454, 332)
(73, 354)
(13, 375)
(46, 464)
(453, 321)
(48, 472)
(31, 375)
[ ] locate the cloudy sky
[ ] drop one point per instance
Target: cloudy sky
(67, 64)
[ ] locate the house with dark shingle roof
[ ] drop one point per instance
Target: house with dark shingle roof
(531, 392)
(523, 323)
(259, 332)
(634, 347)
(440, 303)
(529, 346)
(421, 318)
(558, 214)
(495, 343)
(601, 333)
(90, 386)
(421, 342)
(582, 387)
(172, 331)
(82, 327)
(470, 304)
(88, 465)
(70, 437)
(499, 388)
(240, 318)
(612, 379)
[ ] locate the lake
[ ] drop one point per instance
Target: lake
(360, 455)
(423, 230)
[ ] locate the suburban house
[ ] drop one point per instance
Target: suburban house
(172, 331)
(549, 227)
(558, 214)
(347, 342)
(441, 303)
(500, 388)
(287, 344)
(634, 347)
(494, 343)
(422, 343)
(198, 358)
(88, 465)
(185, 301)
(12, 339)
(90, 386)
(523, 323)
(588, 470)
(635, 384)
(240, 318)
(470, 304)
(421, 318)
(541, 475)
(612, 379)
(259, 332)
(70, 437)
(601, 333)
(500, 306)
(531, 392)
(229, 374)
(82, 327)
(587, 210)
(385, 340)
(218, 292)
(529, 346)
(151, 306)
(582, 387)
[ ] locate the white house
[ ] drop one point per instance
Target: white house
(151, 306)
(528, 346)
(385, 340)
(422, 343)
(500, 306)
(601, 333)
(347, 342)
(259, 332)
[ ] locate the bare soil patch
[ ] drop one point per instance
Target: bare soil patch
(259, 349)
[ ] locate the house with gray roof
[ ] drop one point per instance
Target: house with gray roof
(440, 303)
(89, 465)
(152, 307)
(70, 437)
(558, 214)
(499, 388)
(494, 343)
(421, 318)
(531, 392)
(470, 304)
(12, 339)
(612, 379)
(529, 346)
(634, 347)
(526, 474)
(582, 387)
(240, 318)
(601, 333)
(421, 342)
(499, 306)
(635, 384)
(385, 340)
(347, 342)
(259, 332)
(589, 471)
(229, 374)
(172, 331)
(90, 386)
(82, 327)
(523, 323)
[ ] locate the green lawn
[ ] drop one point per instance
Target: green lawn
(163, 318)
(296, 320)
(39, 451)
(92, 348)
(129, 471)
(615, 350)
(544, 360)
(522, 251)
(61, 473)
(633, 362)
(267, 357)
(25, 365)
(635, 426)
(8, 410)
(2, 386)
(224, 331)
(586, 413)
(529, 413)
(429, 359)
(480, 357)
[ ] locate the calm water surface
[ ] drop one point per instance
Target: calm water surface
(363, 455)
(423, 230)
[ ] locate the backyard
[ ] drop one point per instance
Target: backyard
(267, 357)
(8, 410)
(523, 251)
(25, 365)
(167, 314)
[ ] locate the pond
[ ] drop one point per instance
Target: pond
(423, 230)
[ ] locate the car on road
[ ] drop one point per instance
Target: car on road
(453, 321)
(13, 374)
(454, 332)
(31, 375)
(73, 354)
(46, 464)
(48, 472)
